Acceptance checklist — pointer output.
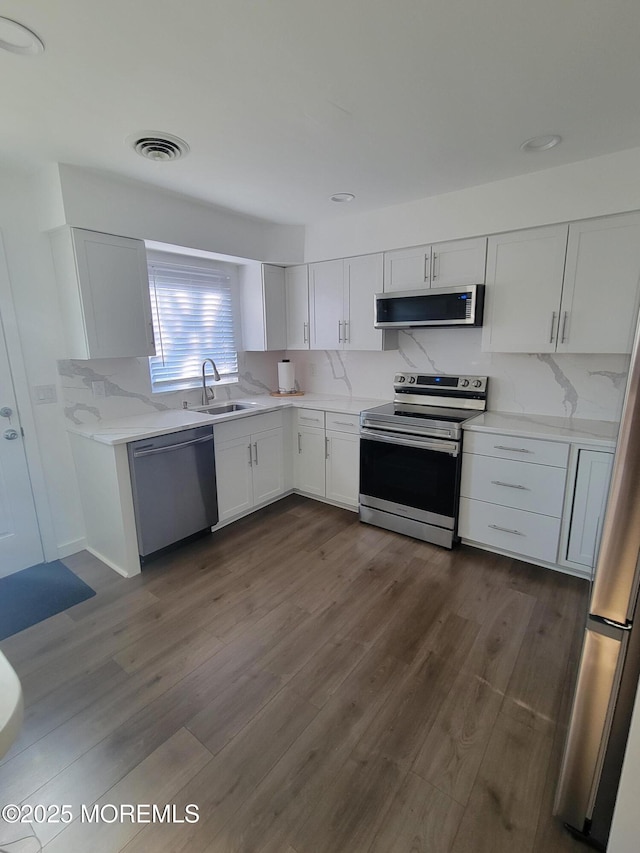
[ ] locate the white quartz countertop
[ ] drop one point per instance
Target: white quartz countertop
(574, 430)
(150, 424)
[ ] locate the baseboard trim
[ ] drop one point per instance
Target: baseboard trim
(69, 548)
(110, 563)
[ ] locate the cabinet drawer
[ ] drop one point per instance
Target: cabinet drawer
(553, 453)
(521, 485)
(247, 425)
(343, 423)
(525, 533)
(310, 417)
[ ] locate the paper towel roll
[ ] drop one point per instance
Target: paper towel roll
(286, 377)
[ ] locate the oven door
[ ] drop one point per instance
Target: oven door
(410, 476)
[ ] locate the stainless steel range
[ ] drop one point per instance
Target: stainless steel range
(411, 455)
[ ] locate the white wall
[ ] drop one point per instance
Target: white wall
(103, 202)
(624, 829)
(582, 190)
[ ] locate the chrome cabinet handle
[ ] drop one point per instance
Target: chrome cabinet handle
(426, 267)
(326, 448)
(308, 418)
(434, 273)
(250, 457)
(299, 443)
(509, 485)
(343, 423)
(553, 323)
(346, 334)
(512, 449)
(563, 337)
(339, 331)
(305, 333)
(255, 450)
(505, 529)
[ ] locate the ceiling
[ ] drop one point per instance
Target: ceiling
(285, 102)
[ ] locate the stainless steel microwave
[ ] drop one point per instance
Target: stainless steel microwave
(436, 306)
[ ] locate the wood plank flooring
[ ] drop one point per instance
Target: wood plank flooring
(313, 685)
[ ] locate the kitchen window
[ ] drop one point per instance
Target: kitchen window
(193, 302)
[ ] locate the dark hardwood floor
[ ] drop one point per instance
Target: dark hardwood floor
(313, 685)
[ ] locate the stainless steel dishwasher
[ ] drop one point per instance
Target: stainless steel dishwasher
(173, 478)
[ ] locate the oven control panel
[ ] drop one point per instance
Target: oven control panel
(432, 382)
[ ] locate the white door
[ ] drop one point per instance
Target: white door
(297, 298)
(20, 544)
(343, 467)
(407, 269)
(326, 304)
(363, 279)
(524, 285)
(600, 296)
(233, 476)
(309, 462)
(458, 262)
(268, 463)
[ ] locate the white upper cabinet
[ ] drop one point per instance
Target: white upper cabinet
(457, 262)
(362, 280)
(262, 298)
(600, 294)
(341, 296)
(524, 283)
(296, 283)
(326, 304)
(104, 293)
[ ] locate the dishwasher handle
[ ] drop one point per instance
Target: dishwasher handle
(178, 446)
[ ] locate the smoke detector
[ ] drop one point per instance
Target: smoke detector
(158, 146)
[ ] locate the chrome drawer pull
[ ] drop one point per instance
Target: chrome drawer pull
(510, 485)
(299, 443)
(505, 529)
(344, 423)
(512, 449)
(307, 418)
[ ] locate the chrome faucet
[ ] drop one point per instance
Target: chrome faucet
(208, 393)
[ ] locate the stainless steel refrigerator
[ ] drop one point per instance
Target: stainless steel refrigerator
(610, 662)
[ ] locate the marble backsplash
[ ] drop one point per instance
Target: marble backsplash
(128, 391)
(582, 386)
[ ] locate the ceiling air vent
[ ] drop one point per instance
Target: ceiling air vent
(158, 146)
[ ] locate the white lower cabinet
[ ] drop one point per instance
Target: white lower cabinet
(512, 494)
(343, 467)
(327, 461)
(591, 472)
(249, 465)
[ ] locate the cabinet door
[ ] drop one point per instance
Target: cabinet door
(114, 287)
(234, 476)
(600, 296)
(310, 461)
(274, 307)
(458, 262)
(407, 269)
(268, 461)
(524, 284)
(363, 279)
(343, 467)
(296, 281)
(326, 304)
(589, 501)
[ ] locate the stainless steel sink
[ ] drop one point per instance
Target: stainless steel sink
(223, 408)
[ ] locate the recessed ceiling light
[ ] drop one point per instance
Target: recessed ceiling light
(541, 143)
(158, 146)
(16, 38)
(342, 197)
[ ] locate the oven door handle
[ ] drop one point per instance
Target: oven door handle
(451, 448)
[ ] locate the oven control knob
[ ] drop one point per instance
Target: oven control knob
(402, 378)
(464, 383)
(412, 379)
(477, 383)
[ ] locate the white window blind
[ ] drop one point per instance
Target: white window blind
(193, 311)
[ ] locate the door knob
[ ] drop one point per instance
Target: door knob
(10, 434)
(6, 412)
